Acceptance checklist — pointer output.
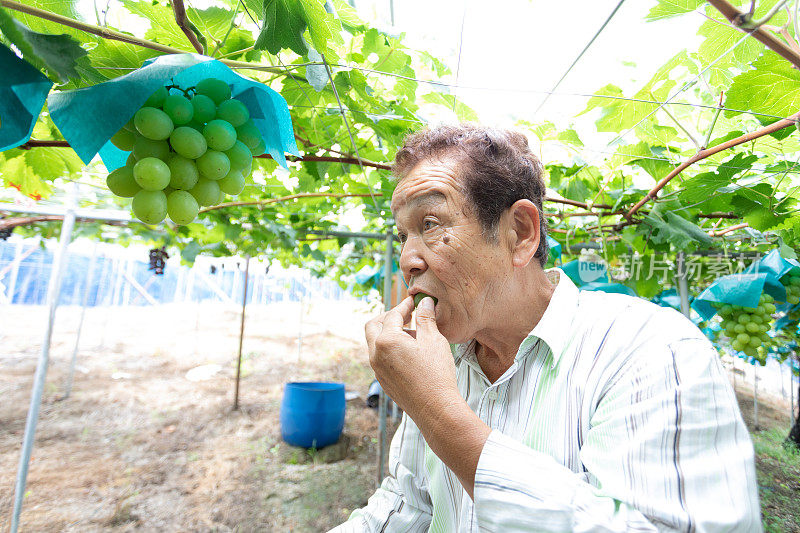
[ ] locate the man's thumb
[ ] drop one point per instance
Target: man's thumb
(426, 314)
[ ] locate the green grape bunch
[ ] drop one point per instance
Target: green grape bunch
(747, 327)
(188, 149)
(792, 283)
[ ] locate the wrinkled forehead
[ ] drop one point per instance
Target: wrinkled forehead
(428, 182)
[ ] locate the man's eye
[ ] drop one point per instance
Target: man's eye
(401, 237)
(428, 224)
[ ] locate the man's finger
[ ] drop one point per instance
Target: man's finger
(426, 316)
(399, 315)
(372, 329)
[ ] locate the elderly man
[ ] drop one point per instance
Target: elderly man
(530, 405)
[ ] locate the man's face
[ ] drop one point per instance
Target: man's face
(444, 253)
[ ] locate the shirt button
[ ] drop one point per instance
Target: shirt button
(492, 394)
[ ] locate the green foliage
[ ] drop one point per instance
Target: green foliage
(670, 8)
(374, 97)
(58, 54)
(772, 87)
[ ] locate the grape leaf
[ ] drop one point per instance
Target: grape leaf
(670, 8)
(773, 87)
(317, 75)
(284, 25)
(59, 54)
(718, 39)
(285, 22)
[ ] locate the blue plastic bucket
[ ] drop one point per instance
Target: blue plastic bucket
(312, 413)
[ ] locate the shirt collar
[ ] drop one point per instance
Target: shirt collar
(554, 326)
(556, 322)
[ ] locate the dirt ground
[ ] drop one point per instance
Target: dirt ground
(142, 444)
(148, 440)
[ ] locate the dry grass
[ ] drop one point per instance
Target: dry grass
(138, 446)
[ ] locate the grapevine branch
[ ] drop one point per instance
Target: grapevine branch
(183, 23)
(742, 21)
(727, 230)
(11, 223)
(284, 199)
(33, 143)
(113, 35)
(708, 152)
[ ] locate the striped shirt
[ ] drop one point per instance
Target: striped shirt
(616, 415)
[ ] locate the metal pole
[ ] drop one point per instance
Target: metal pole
(89, 281)
(12, 285)
(683, 285)
(241, 335)
(53, 293)
(755, 397)
(387, 304)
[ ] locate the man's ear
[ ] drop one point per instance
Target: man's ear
(524, 229)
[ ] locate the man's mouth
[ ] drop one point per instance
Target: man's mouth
(420, 295)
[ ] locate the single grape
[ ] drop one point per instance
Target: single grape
(743, 338)
(260, 148)
(738, 346)
(740, 328)
(151, 174)
(144, 147)
(153, 123)
(188, 142)
(215, 89)
(121, 182)
(220, 135)
(750, 351)
(240, 156)
(213, 165)
(124, 140)
(232, 183)
(206, 192)
(744, 318)
(234, 112)
(182, 207)
(178, 108)
(157, 98)
(755, 341)
(150, 206)
(183, 172)
(248, 133)
(752, 327)
(204, 108)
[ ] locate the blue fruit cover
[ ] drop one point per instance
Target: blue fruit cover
(23, 90)
(603, 286)
(735, 289)
(88, 117)
(775, 267)
(668, 298)
(583, 272)
(555, 249)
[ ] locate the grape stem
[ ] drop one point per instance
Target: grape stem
(181, 89)
(182, 21)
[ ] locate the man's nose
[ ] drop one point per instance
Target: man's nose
(412, 262)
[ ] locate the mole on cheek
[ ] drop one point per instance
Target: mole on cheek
(446, 239)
